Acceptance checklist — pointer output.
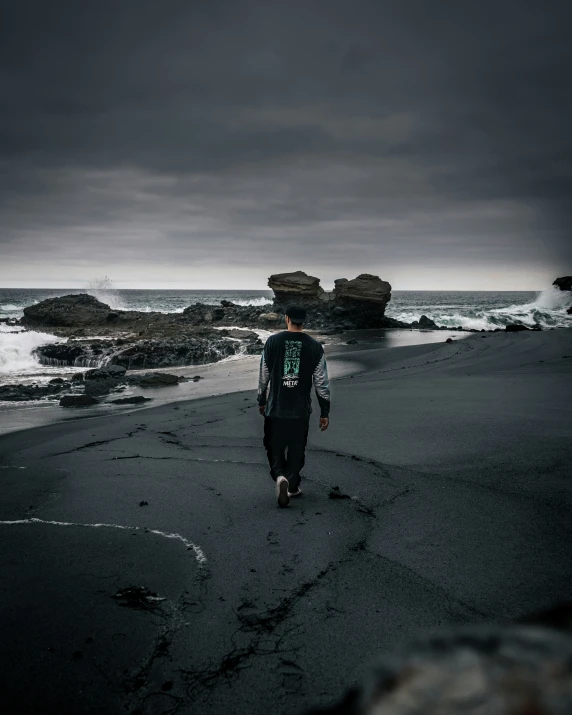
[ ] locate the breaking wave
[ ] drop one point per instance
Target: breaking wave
(548, 310)
(253, 301)
(16, 348)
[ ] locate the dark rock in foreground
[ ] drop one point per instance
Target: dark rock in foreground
(133, 400)
(28, 393)
(564, 283)
(151, 353)
(506, 670)
(515, 328)
(154, 379)
(105, 372)
(425, 323)
(77, 401)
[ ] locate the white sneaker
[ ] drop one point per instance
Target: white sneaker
(297, 493)
(282, 491)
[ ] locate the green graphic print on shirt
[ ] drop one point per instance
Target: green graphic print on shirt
(292, 351)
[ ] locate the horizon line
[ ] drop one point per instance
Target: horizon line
(269, 290)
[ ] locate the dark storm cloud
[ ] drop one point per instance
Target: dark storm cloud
(420, 131)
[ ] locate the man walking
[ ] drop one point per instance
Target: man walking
(290, 362)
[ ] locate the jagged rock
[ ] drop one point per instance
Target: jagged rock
(134, 400)
(105, 372)
(154, 379)
(357, 303)
(427, 323)
(101, 386)
(295, 286)
(184, 349)
(254, 347)
(240, 334)
(564, 283)
(77, 401)
(270, 317)
(28, 393)
(70, 310)
(200, 314)
(515, 328)
(171, 352)
(61, 354)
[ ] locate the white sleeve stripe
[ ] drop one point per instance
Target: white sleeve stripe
(321, 380)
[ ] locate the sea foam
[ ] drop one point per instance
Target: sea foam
(548, 310)
(16, 348)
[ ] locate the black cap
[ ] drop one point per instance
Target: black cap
(296, 313)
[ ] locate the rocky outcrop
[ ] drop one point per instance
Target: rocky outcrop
(356, 303)
(29, 393)
(73, 311)
(227, 313)
(366, 289)
(564, 283)
(517, 327)
(296, 287)
(133, 400)
(138, 354)
(77, 401)
(425, 323)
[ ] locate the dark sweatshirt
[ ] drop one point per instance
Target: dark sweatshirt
(290, 362)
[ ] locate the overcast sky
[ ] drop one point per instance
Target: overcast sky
(196, 144)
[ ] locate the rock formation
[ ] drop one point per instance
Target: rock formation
(356, 303)
(366, 289)
(564, 283)
(73, 311)
(134, 339)
(297, 286)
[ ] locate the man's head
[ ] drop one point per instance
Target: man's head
(295, 317)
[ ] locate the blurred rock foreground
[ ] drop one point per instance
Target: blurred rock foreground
(514, 669)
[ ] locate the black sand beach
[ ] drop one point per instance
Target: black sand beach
(452, 463)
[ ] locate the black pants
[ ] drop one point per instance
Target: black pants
(283, 436)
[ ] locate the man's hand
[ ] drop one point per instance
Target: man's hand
(261, 409)
(324, 423)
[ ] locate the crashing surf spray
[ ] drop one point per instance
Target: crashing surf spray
(548, 309)
(16, 350)
(105, 291)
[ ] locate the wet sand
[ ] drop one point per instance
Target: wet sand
(455, 459)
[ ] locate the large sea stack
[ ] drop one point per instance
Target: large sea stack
(356, 303)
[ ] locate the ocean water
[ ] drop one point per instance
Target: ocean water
(467, 309)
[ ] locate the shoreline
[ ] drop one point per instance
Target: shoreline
(455, 459)
(15, 416)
